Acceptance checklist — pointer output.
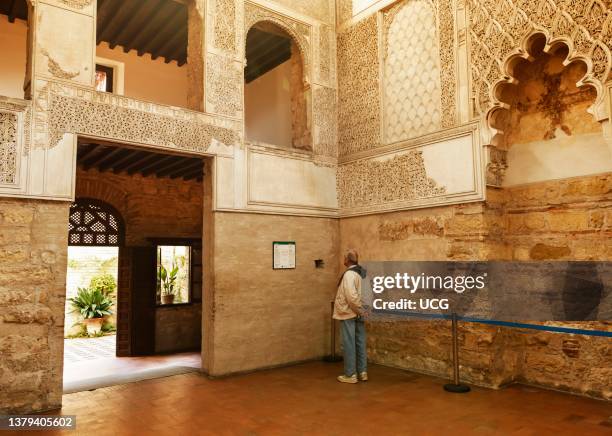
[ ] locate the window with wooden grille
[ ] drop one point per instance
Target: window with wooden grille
(94, 223)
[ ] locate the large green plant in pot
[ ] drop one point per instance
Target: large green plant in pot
(166, 280)
(93, 305)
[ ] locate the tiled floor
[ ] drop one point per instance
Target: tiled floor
(84, 349)
(306, 399)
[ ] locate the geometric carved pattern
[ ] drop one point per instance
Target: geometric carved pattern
(324, 54)
(359, 102)
(97, 116)
(412, 71)
(225, 24)
(223, 79)
(448, 75)
(369, 182)
(497, 28)
(324, 116)
(8, 147)
(93, 222)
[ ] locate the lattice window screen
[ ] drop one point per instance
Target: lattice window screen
(94, 223)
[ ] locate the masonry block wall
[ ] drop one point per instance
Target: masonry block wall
(33, 240)
(265, 317)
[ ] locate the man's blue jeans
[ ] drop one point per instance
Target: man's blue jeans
(354, 343)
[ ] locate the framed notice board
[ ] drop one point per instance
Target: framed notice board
(283, 255)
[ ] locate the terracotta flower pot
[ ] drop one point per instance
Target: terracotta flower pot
(167, 299)
(94, 325)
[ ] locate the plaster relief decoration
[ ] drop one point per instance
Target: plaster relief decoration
(320, 9)
(325, 122)
(55, 69)
(8, 147)
(67, 109)
(223, 84)
(225, 25)
(15, 123)
(76, 4)
(498, 30)
(359, 97)
(411, 62)
(440, 168)
(299, 31)
(325, 54)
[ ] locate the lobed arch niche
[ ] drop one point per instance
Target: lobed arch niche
(546, 119)
(277, 94)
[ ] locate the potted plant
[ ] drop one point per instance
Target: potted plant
(167, 282)
(93, 305)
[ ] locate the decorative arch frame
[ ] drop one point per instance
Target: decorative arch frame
(299, 32)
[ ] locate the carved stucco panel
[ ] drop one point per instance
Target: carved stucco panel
(8, 146)
(359, 96)
(225, 25)
(372, 182)
(62, 109)
(498, 28)
(325, 121)
(224, 79)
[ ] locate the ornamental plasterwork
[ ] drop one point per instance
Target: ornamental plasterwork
(66, 109)
(76, 4)
(325, 54)
(359, 97)
(300, 32)
(320, 9)
(411, 65)
(55, 69)
(225, 25)
(326, 127)
(448, 64)
(223, 85)
(9, 130)
(498, 30)
(370, 182)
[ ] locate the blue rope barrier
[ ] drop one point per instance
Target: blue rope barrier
(554, 329)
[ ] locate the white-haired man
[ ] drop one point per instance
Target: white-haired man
(349, 310)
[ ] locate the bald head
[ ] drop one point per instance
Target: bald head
(351, 257)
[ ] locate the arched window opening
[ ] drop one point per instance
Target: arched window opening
(275, 93)
(547, 129)
(94, 223)
(14, 48)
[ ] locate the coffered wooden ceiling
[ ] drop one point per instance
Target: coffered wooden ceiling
(107, 157)
(157, 27)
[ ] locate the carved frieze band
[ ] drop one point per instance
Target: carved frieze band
(498, 28)
(65, 109)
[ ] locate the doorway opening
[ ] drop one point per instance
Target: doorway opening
(135, 252)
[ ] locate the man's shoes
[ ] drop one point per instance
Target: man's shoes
(363, 376)
(347, 379)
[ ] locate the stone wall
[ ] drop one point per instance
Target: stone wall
(265, 317)
(557, 220)
(33, 240)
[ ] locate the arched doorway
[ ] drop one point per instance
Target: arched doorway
(95, 235)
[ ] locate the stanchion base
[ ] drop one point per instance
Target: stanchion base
(456, 389)
(334, 358)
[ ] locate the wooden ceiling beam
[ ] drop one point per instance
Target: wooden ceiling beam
(160, 161)
(109, 157)
(12, 11)
(272, 51)
(155, 21)
(193, 174)
(112, 164)
(170, 43)
(129, 12)
(154, 44)
(87, 150)
(132, 167)
(176, 171)
(134, 35)
(101, 153)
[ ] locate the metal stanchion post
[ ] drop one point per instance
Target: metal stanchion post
(456, 386)
(332, 355)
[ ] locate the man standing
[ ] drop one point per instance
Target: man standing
(348, 309)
